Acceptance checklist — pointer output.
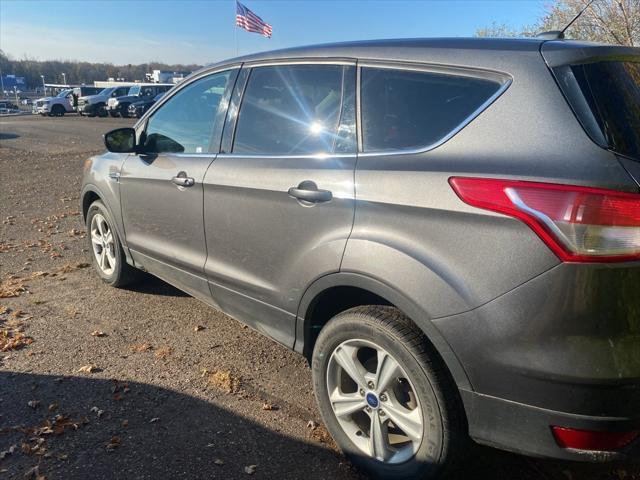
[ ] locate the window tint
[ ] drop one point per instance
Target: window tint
(404, 109)
(292, 110)
(185, 123)
(612, 92)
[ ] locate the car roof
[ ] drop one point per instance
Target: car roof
(488, 53)
(503, 54)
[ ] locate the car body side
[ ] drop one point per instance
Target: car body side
(474, 281)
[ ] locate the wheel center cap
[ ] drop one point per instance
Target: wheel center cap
(372, 400)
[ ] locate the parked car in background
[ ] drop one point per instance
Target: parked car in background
(119, 106)
(83, 91)
(8, 107)
(55, 106)
(139, 108)
(92, 105)
(26, 101)
(448, 229)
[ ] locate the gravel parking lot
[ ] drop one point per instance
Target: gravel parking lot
(147, 382)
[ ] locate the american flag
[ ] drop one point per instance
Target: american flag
(248, 20)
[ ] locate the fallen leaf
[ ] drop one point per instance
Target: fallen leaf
(154, 420)
(88, 369)
(225, 381)
(12, 287)
(250, 469)
(32, 472)
(312, 425)
(98, 333)
(164, 352)
(219, 462)
(125, 423)
(113, 443)
(33, 403)
(197, 328)
(269, 406)
(141, 347)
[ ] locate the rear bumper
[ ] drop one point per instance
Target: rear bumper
(525, 429)
(562, 349)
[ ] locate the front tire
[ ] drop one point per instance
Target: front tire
(105, 248)
(385, 395)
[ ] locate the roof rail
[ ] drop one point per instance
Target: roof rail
(551, 35)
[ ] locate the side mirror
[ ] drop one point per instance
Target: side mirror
(121, 140)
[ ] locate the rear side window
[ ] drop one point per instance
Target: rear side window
(404, 109)
(611, 90)
(292, 110)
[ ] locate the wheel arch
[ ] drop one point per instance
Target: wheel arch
(334, 293)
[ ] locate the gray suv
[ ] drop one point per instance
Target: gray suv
(448, 229)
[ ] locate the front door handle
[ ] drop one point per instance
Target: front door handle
(183, 181)
(308, 191)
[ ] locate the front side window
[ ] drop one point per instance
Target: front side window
(185, 123)
(404, 109)
(291, 110)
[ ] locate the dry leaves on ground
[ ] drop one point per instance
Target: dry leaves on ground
(113, 443)
(164, 352)
(141, 347)
(88, 369)
(225, 381)
(12, 336)
(12, 287)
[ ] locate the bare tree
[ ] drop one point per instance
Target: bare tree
(608, 21)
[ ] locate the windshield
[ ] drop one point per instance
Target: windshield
(105, 91)
(612, 92)
(135, 90)
(63, 93)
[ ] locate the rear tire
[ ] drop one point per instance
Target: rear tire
(419, 440)
(113, 113)
(107, 255)
(58, 111)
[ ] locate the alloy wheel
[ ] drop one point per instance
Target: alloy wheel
(374, 401)
(103, 244)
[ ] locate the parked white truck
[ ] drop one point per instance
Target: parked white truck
(55, 106)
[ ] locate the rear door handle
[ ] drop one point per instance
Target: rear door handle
(308, 191)
(183, 181)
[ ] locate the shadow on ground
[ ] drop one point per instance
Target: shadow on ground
(8, 136)
(143, 432)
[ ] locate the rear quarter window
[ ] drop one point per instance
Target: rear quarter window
(605, 96)
(409, 110)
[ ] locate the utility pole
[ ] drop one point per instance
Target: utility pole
(44, 87)
(1, 83)
(64, 79)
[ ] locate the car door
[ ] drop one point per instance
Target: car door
(161, 190)
(279, 202)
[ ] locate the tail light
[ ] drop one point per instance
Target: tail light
(579, 224)
(590, 440)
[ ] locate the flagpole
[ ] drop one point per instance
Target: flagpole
(235, 27)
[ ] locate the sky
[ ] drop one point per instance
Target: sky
(202, 32)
